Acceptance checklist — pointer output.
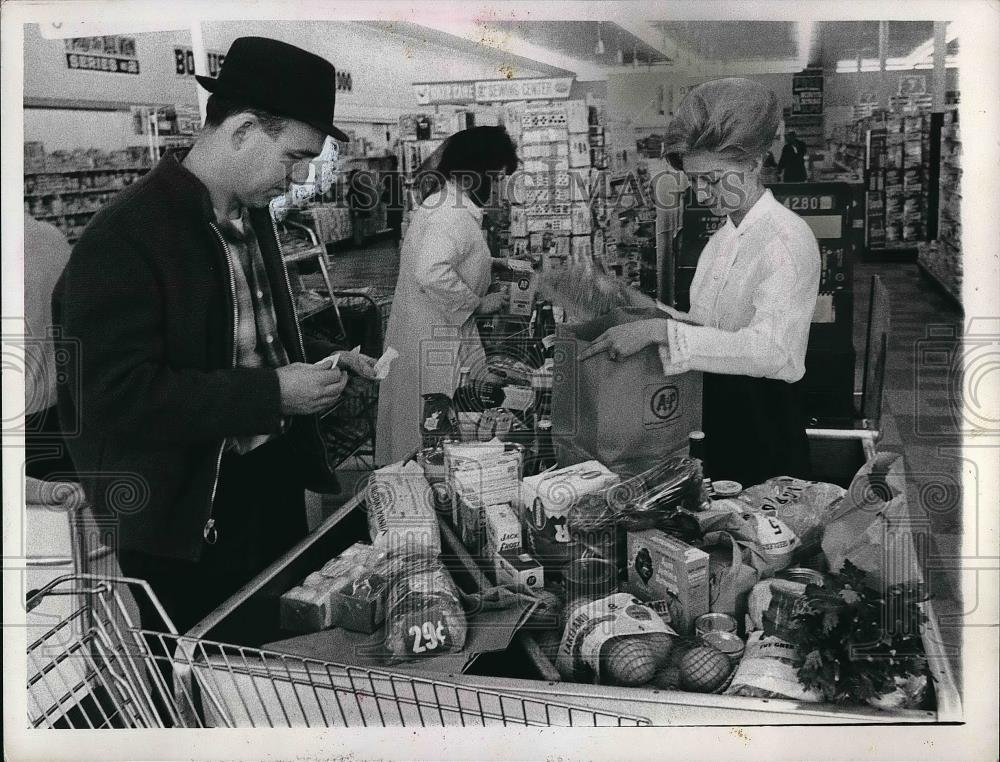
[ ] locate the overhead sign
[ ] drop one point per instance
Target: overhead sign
(807, 92)
(112, 54)
(912, 84)
(184, 62)
(445, 92)
(491, 91)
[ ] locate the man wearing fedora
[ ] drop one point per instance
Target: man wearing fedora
(195, 384)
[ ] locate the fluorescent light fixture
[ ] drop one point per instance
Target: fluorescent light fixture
(599, 50)
(850, 65)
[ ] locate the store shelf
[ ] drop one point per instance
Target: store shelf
(950, 291)
(76, 191)
(84, 171)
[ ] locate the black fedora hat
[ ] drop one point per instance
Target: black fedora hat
(279, 78)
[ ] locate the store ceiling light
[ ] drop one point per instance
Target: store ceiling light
(599, 50)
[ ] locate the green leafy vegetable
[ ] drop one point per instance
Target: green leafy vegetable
(858, 640)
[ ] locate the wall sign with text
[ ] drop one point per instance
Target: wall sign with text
(492, 91)
(112, 54)
(184, 62)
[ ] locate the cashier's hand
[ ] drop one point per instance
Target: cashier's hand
(308, 389)
(623, 341)
(492, 303)
(358, 364)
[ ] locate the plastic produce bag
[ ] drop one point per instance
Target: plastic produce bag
(870, 527)
(734, 568)
(617, 639)
(647, 500)
(802, 505)
(772, 541)
(424, 614)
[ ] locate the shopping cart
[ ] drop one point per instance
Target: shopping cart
(97, 669)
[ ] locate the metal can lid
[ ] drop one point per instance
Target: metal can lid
(727, 642)
(727, 488)
(715, 621)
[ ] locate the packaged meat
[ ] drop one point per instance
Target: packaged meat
(310, 607)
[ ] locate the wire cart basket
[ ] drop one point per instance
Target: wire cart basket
(97, 668)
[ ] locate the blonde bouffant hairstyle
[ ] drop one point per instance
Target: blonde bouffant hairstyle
(736, 117)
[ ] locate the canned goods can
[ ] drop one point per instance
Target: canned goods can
(714, 622)
(727, 488)
(802, 575)
(728, 642)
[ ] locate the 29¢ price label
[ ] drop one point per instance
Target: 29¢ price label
(428, 636)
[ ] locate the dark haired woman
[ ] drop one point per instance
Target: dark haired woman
(753, 294)
(444, 272)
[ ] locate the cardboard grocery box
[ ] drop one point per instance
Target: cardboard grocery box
(519, 570)
(659, 564)
(485, 473)
(519, 281)
(469, 519)
(503, 530)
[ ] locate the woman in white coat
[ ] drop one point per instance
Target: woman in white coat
(444, 272)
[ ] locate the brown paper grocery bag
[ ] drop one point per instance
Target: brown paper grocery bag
(626, 414)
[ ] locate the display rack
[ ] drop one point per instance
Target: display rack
(68, 188)
(941, 259)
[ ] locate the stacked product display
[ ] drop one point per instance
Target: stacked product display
(942, 258)
(67, 188)
(551, 219)
(569, 205)
(905, 173)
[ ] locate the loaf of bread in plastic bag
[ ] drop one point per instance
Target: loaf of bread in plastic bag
(424, 614)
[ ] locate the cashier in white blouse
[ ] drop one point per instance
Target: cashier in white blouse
(753, 294)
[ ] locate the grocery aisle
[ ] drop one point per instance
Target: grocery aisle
(921, 416)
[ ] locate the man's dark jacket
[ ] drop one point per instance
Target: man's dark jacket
(152, 389)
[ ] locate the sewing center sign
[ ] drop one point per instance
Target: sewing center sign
(492, 90)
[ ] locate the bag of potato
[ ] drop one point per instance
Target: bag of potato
(616, 640)
(769, 669)
(804, 506)
(424, 615)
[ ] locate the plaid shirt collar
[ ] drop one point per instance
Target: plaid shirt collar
(243, 243)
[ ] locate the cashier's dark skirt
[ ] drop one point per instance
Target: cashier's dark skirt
(755, 428)
(259, 513)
